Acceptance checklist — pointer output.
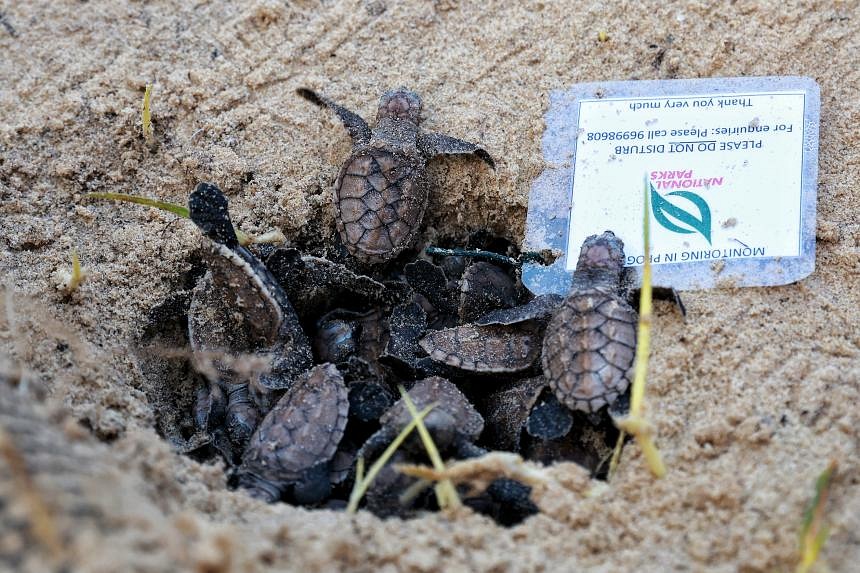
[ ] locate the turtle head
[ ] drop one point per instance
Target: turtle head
(604, 251)
(601, 256)
(400, 104)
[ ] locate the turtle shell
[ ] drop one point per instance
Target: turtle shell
(379, 198)
(301, 431)
(589, 348)
(238, 308)
(484, 348)
(507, 411)
(446, 397)
(484, 288)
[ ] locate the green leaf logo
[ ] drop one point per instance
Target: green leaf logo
(663, 209)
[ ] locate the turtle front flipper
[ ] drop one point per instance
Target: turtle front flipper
(433, 144)
(207, 207)
(354, 124)
(549, 420)
(659, 293)
(313, 485)
(242, 416)
(464, 448)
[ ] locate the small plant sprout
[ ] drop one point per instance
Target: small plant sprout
(146, 115)
(362, 481)
(813, 531)
(446, 493)
(635, 423)
(69, 281)
(272, 237)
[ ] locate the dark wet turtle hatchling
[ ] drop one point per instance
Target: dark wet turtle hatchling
(453, 422)
(239, 313)
(381, 192)
(315, 285)
(589, 342)
(484, 287)
(291, 450)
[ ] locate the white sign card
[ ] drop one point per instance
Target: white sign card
(730, 167)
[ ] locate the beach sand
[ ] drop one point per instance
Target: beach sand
(751, 395)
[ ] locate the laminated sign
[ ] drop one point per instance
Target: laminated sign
(729, 167)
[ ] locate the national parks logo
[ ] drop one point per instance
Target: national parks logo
(683, 211)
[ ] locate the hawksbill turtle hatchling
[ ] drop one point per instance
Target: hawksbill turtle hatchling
(381, 192)
(237, 309)
(292, 448)
(589, 337)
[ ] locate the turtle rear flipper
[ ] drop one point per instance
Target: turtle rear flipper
(407, 324)
(290, 356)
(432, 144)
(464, 448)
(259, 488)
(354, 124)
(540, 309)
(242, 416)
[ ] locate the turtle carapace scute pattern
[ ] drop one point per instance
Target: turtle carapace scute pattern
(298, 437)
(381, 191)
(590, 343)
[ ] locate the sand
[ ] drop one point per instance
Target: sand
(751, 395)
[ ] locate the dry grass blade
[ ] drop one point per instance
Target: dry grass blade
(616, 455)
(480, 471)
(636, 423)
(146, 114)
(77, 273)
(361, 485)
(359, 469)
(446, 493)
(41, 521)
(814, 532)
(414, 490)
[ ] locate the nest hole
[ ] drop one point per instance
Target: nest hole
(372, 337)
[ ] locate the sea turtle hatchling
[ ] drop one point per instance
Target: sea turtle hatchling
(238, 311)
(589, 342)
(381, 192)
(453, 423)
(291, 450)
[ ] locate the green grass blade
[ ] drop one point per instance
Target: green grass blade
(180, 210)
